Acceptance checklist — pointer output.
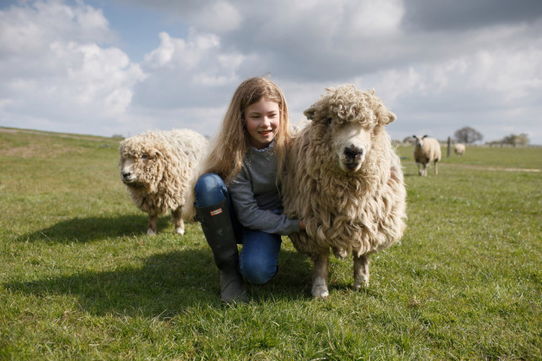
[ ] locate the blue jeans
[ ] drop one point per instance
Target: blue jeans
(258, 260)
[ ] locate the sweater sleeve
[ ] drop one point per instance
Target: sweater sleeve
(253, 217)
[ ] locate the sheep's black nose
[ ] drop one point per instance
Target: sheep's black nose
(126, 174)
(353, 152)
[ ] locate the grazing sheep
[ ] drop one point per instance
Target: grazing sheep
(156, 167)
(459, 149)
(426, 150)
(345, 181)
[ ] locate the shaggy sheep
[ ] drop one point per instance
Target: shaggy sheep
(156, 168)
(345, 181)
(426, 150)
(459, 149)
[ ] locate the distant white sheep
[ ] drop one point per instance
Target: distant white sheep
(426, 150)
(156, 168)
(345, 181)
(459, 148)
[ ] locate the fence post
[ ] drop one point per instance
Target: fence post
(449, 147)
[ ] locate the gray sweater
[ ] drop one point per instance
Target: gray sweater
(256, 197)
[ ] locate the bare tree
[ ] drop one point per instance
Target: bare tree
(467, 135)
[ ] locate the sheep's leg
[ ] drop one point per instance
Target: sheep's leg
(178, 220)
(361, 271)
(151, 229)
(319, 275)
(420, 170)
(436, 167)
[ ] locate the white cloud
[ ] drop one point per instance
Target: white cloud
(217, 17)
(60, 71)
(497, 91)
(29, 28)
(161, 56)
(61, 74)
(95, 76)
(179, 53)
(189, 72)
(375, 16)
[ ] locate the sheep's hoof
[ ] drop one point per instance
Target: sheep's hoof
(151, 232)
(179, 230)
(320, 291)
(358, 285)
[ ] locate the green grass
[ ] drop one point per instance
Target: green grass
(79, 279)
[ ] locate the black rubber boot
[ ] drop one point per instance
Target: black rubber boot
(217, 227)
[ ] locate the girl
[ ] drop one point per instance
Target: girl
(237, 198)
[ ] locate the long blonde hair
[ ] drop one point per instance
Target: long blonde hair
(232, 142)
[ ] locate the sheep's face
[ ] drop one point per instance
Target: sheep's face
(418, 141)
(140, 167)
(350, 144)
(347, 120)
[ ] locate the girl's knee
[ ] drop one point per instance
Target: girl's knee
(209, 190)
(258, 272)
(207, 182)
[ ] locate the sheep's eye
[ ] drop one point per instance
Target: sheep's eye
(145, 156)
(329, 120)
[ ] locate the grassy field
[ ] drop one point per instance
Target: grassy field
(79, 279)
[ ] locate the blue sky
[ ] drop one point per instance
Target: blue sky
(138, 26)
(126, 66)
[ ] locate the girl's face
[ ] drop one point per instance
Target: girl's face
(262, 120)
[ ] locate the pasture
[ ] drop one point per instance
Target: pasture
(80, 279)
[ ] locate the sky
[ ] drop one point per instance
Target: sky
(122, 67)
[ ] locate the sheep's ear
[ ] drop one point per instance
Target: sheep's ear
(391, 117)
(415, 136)
(310, 112)
(155, 154)
(425, 136)
(384, 116)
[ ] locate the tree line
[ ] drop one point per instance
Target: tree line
(468, 135)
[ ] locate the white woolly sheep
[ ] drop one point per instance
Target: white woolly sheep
(156, 168)
(426, 150)
(459, 148)
(345, 181)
